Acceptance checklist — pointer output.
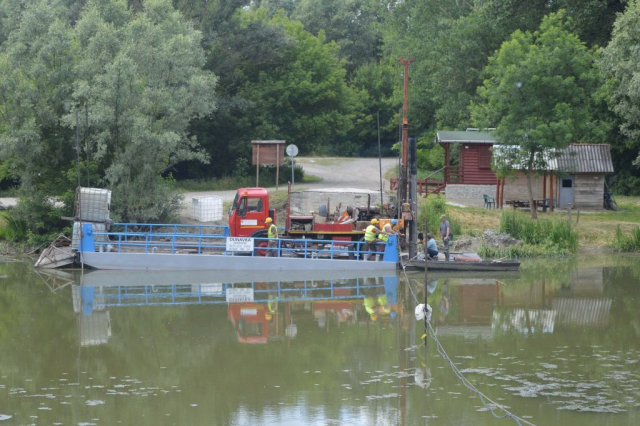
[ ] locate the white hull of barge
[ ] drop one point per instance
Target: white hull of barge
(195, 262)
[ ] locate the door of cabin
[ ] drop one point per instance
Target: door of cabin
(565, 191)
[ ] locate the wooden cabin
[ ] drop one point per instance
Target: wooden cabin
(474, 157)
(576, 177)
(467, 164)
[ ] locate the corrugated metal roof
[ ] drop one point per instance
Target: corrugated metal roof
(464, 137)
(584, 158)
(576, 158)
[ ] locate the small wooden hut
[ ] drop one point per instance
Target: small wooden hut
(576, 178)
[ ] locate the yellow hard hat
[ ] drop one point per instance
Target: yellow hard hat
(374, 221)
(267, 317)
(267, 220)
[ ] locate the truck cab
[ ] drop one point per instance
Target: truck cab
(249, 211)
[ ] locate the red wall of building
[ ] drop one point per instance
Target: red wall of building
(471, 171)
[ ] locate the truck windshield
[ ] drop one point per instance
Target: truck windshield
(233, 205)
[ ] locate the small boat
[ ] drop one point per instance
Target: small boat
(465, 262)
(58, 254)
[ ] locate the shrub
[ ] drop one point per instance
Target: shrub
(627, 243)
(432, 210)
(13, 229)
(557, 233)
(523, 251)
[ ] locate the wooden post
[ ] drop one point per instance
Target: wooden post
(502, 193)
(551, 194)
(277, 164)
(497, 199)
(446, 163)
(258, 167)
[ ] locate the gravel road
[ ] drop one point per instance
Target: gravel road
(361, 173)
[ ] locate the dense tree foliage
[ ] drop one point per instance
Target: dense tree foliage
(178, 89)
(538, 94)
(133, 81)
(621, 60)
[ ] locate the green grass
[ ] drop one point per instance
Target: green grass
(231, 183)
(392, 173)
(627, 242)
(213, 184)
(431, 210)
(522, 252)
(553, 234)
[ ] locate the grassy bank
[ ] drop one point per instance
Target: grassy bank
(594, 232)
(229, 183)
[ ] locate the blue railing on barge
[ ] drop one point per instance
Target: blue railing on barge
(202, 294)
(210, 239)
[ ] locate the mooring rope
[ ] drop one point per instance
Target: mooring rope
(497, 410)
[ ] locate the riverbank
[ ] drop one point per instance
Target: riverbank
(596, 230)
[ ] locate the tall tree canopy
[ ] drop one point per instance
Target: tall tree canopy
(539, 95)
(278, 81)
(621, 60)
(135, 80)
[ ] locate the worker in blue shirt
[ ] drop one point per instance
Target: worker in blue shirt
(432, 247)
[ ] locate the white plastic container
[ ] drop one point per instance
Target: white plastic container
(206, 209)
(97, 227)
(94, 204)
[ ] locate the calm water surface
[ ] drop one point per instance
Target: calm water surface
(560, 345)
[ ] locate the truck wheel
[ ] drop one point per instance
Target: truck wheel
(260, 245)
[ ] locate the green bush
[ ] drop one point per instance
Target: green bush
(242, 179)
(431, 211)
(626, 184)
(522, 251)
(13, 229)
(627, 243)
(552, 233)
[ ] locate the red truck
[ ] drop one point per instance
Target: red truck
(251, 208)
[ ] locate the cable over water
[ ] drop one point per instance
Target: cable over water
(497, 410)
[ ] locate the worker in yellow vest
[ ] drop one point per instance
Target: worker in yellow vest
(387, 230)
(370, 235)
(273, 238)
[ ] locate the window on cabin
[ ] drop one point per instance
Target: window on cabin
(484, 152)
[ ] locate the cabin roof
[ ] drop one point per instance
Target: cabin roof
(464, 137)
(576, 158)
(584, 158)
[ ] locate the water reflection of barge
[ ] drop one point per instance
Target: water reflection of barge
(259, 311)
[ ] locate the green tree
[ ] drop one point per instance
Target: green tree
(374, 83)
(277, 81)
(538, 94)
(621, 61)
(355, 26)
(452, 42)
(135, 80)
(140, 76)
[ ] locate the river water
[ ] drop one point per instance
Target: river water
(557, 345)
